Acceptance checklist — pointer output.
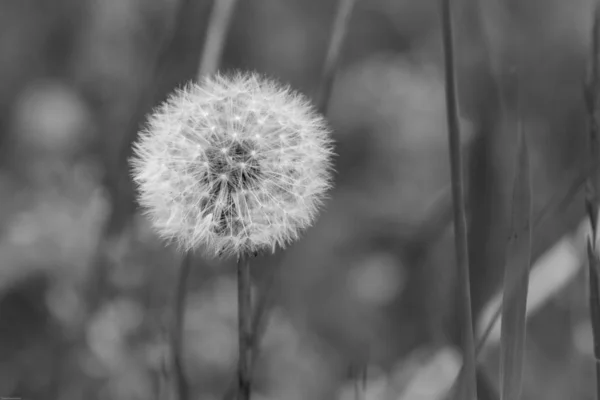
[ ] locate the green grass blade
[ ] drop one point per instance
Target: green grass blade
(514, 307)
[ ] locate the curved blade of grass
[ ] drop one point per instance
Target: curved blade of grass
(513, 308)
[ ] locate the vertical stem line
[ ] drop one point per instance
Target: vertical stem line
(458, 198)
(342, 17)
(244, 327)
(181, 383)
(218, 25)
(593, 189)
(594, 266)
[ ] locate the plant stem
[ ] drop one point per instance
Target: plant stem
(334, 49)
(259, 324)
(592, 198)
(244, 327)
(594, 267)
(218, 25)
(181, 383)
(458, 198)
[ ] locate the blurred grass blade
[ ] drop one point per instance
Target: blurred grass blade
(218, 25)
(343, 13)
(592, 200)
(594, 268)
(559, 202)
(514, 307)
(468, 386)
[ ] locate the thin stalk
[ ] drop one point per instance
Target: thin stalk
(594, 267)
(514, 326)
(259, 325)
(592, 198)
(342, 17)
(220, 20)
(458, 199)
(259, 320)
(181, 384)
(555, 206)
(559, 202)
(244, 327)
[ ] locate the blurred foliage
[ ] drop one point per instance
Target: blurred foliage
(86, 287)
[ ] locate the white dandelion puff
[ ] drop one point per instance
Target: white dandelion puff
(234, 164)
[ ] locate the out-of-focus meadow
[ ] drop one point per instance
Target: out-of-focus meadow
(86, 287)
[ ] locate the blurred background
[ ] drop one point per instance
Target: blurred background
(86, 287)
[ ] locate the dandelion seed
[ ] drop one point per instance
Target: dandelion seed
(222, 164)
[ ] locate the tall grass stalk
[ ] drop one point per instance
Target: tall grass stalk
(559, 202)
(594, 276)
(513, 331)
(343, 14)
(592, 198)
(216, 35)
(469, 386)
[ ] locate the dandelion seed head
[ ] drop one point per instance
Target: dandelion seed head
(234, 164)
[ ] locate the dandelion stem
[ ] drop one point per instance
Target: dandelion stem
(259, 325)
(244, 327)
(259, 320)
(216, 35)
(458, 199)
(181, 384)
